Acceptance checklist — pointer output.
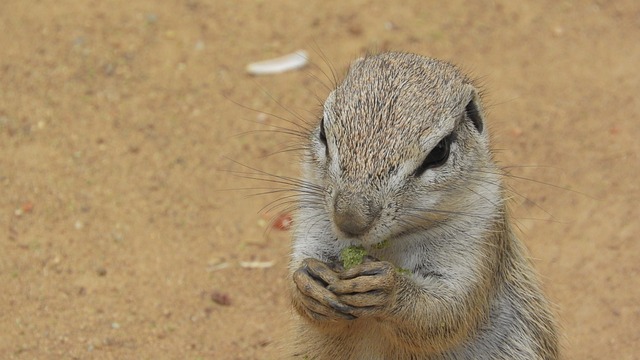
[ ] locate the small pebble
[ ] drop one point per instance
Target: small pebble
(27, 207)
(101, 271)
(220, 298)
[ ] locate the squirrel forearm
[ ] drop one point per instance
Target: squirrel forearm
(449, 316)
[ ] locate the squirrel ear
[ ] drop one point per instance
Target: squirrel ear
(474, 113)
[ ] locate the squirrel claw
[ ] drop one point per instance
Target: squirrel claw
(312, 298)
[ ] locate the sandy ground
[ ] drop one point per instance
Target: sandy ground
(120, 240)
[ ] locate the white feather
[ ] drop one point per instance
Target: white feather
(288, 62)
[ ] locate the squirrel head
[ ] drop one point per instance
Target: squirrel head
(401, 146)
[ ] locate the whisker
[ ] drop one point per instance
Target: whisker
(268, 177)
(510, 175)
(276, 130)
(302, 128)
(444, 212)
(288, 149)
(333, 80)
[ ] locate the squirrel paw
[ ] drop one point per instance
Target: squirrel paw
(369, 289)
(326, 292)
(312, 298)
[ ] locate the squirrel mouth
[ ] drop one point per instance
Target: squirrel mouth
(365, 241)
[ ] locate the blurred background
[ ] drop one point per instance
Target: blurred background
(119, 121)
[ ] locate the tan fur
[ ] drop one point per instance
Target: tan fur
(452, 281)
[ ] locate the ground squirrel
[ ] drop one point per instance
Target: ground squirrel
(400, 165)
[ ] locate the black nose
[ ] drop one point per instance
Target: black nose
(354, 214)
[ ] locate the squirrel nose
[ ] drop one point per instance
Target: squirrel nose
(354, 214)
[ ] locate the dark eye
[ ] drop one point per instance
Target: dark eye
(437, 157)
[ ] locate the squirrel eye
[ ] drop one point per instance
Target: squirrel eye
(437, 157)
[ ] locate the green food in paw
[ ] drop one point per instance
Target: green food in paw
(352, 256)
